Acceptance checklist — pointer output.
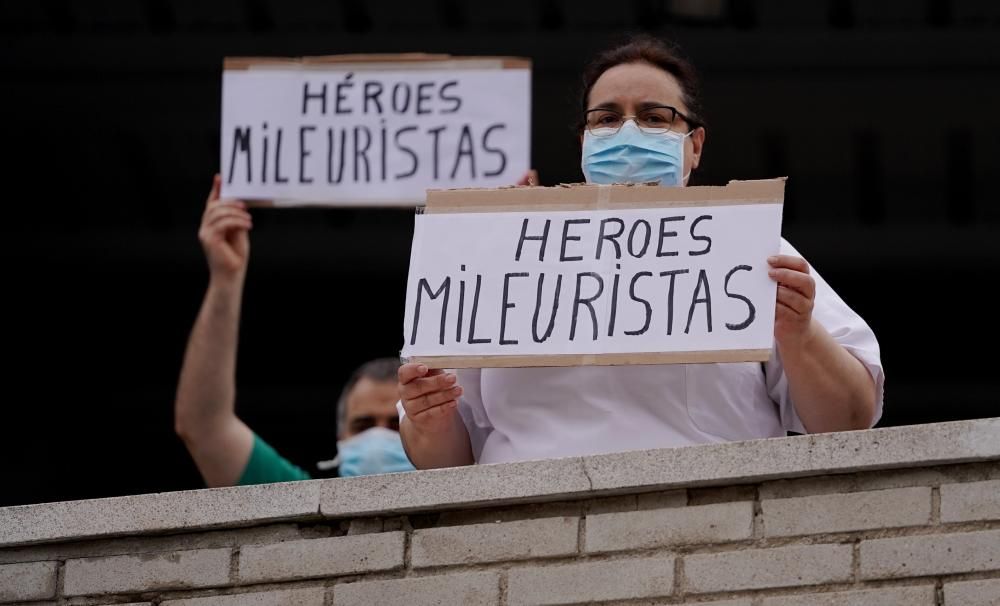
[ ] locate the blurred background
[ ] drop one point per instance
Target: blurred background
(884, 116)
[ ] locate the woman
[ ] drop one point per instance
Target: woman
(640, 123)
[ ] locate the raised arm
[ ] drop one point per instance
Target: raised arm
(205, 414)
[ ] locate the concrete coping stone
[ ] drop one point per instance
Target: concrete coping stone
(507, 483)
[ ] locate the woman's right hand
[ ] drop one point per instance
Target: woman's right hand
(429, 397)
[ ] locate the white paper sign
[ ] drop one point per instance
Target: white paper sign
(329, 135)
(673, 279)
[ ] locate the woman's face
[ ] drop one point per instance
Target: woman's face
(628, 87)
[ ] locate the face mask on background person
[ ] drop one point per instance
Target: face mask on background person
(375, 450)
(634, 156)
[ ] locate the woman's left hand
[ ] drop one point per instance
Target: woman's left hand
(793, 323)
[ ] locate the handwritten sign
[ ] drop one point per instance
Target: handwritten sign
(356, 131)
(593, 275)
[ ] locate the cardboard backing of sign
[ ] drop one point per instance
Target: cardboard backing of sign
(377, 61)
(369, 63)
(600, 197)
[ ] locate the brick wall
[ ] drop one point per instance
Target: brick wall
(901, 516)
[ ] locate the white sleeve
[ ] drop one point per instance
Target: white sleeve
(470, 407)
(847, 328)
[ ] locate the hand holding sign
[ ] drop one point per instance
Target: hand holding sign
(594, 275)
(376, 130)
(223, 234)
(429, 397)
(796, 296)
(433, 430)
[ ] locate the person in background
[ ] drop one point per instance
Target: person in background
(640, 121)
(226, 451)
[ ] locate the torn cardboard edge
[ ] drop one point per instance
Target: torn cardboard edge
(377, 61)
(608, 359)
(354, 205)
(602, 197)
(569, 196)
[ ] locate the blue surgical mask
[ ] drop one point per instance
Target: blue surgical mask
(375, 450)
(632, 156)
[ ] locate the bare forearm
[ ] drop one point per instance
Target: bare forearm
(206, 391)
(832, 390)
(449, 447)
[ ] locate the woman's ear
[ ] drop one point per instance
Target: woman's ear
(697, 143)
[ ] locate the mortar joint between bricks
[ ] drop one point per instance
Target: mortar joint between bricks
(234, 565)
(407, 548)
(935, 505)
(757, 523)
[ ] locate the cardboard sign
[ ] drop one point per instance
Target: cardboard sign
(593, 275)
(372, 130)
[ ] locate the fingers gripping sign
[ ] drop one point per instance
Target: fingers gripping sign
(429, 396)
(224, 234)
(795, 299)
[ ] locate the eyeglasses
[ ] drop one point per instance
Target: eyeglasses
(656, 120)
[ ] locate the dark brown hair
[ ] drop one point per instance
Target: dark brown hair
(643, 48)
(379, 369)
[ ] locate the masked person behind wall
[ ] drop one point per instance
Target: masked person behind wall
(640, 121)
(226, 451)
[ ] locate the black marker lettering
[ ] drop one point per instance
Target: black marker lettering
(383, 151)
(638, 299)
(343, 155)
(342, 95)
(465, 148)
(538, 306)
(750, 308)
(461, 309)
(706, 239)
(602, 236)
(566, 237)
(241, 144)
(406, 150)
(664, 234)
(436, 133)
(614, 302)
(423, 285)
(695, 300)
(306, 96)
(263, 159)
(277, 159)
(475, 310)
(398, 106)
(670, 297)
(304, 153)
(456, 100)
(645, 242)
(588, 301)
(373, 90)
(494, 150)
(423, 95)
(361, 153)
(524, 236)
(506, 306)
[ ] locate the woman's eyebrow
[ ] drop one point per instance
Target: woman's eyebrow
(611, 105)
(649, 104)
